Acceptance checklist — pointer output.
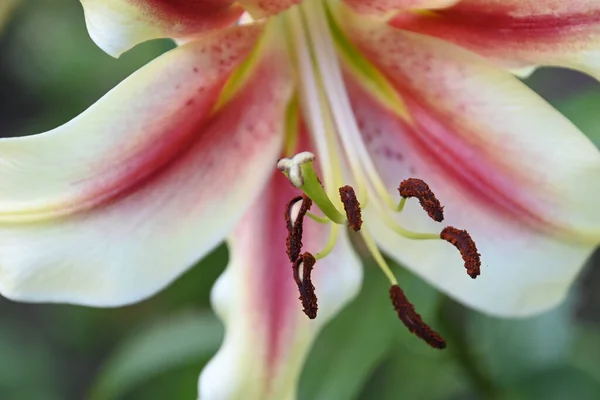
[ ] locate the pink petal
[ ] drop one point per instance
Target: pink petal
(382, 7)
(264, 8)
(519, 33)
(268, 336)
(509, 169)
(118, 25)
(112, 206)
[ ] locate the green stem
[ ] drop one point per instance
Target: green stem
(313, 189)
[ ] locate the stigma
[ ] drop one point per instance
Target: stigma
(347, 211)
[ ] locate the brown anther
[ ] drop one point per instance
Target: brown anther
(294, 228)
(413, 187)
(305, 286)
(407, 314)
(352, 207)
(463, 242)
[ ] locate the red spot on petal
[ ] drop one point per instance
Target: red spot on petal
(179, 18)
(440, 141)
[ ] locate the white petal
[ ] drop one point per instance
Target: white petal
(118, 25)
(267, 335)
(509, 169)
(115, 204)
(519, 34)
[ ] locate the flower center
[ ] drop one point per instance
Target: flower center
(316, 45)
(301, 173)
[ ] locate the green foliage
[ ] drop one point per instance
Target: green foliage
(170, 343)
(509, 349)
(348, 349)
(585, 354)
(25, 359)
(49, 72)
(557, 383)
(582, 110)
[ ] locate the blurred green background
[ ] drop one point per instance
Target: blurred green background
(50, 71)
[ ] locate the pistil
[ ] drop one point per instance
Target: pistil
(301, 173)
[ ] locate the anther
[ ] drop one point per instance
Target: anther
(465, 244)
(295, 226)
(413, 187)
(305, 286)
(407, 314)
(352, 207)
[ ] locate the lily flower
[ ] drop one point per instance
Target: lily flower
(111, 207)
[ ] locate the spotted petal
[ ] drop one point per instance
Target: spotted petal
(268, 337)
(519, 33)
(509, 169)
(112, 206)
(382, 7)
(265, 8)
(118, 25)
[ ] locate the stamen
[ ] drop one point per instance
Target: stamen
(331, 242)
(295, 226)
(305, 286)
(327, 60)
(315, 110)
(417, 188)
(377, 256)
(352, 207)
(465, 244)
(407, 314)
(316, 218)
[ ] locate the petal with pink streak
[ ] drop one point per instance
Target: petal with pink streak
(519, 33)
(112, 206)
(265, 8)
(509, 169)
(267, 335)
(118, 25)
(382, 7)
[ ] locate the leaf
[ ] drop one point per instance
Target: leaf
(585, 354)
(582, 110)
(408, 375)
(412, 369)
(165, 345)
(509, 349)
(556, 384)
(350, 348)
(28, 368)
(351, 345)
